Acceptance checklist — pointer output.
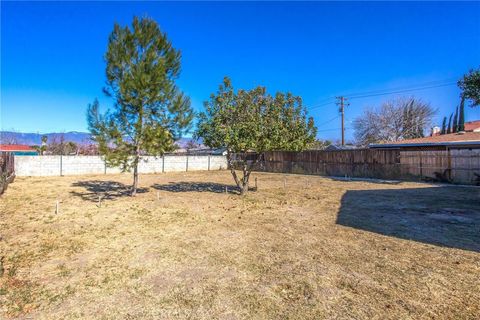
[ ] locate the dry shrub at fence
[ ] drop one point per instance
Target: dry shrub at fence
(7, 170)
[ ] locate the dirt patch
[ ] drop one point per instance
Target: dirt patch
(185, 249)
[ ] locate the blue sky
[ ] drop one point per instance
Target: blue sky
(52, 54)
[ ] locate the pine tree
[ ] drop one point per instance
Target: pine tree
(461, 117)
(449, 129)
(444, 126)
(455, 122)
(150, 112)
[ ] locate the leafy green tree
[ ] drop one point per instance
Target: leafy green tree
(455, 122)
(150, 112)
(444, 126)
(470, 86)
(253, 121)
(461, 116)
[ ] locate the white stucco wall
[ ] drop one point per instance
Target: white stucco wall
(80, 165)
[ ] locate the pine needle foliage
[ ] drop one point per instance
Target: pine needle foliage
(150, 112)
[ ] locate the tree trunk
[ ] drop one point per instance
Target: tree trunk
(232, 170)
(242, 183)
(135, 172)
(244, 188)
(135, 180)
(246, 175)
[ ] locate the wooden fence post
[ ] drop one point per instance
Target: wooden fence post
(449, 166)
(421, 165)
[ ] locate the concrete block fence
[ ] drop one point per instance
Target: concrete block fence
(81, 165)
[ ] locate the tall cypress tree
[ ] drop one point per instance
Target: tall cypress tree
(150, 112)
(461, 117)
(449, 129)
(444, 126)
(455, 122)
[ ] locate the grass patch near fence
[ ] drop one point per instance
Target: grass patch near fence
(299, 247)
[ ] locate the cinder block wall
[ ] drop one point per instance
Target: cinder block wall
(80, 165)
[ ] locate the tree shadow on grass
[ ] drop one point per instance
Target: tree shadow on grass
(107, 190)
(198, 187)
(443, 216)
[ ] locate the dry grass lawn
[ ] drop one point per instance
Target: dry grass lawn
(183, 249)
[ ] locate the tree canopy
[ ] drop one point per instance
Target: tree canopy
(470, 86)
(253, 121)
(150, 112)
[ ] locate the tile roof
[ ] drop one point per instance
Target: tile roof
(472, 125)
(15, 147)
(468, 137)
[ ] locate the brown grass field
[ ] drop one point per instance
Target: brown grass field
(184, 249)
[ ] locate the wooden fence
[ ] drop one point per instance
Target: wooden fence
(461, 166)
(7, 170)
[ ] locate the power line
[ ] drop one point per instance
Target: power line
(402, 91)
(322, 105)
(342, 99)
(326, 122)
(334, 129)
(381, 92)
(428, 83)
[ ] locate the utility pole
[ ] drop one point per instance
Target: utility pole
(342, 105)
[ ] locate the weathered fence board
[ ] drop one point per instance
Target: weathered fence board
(7, 170)
(457, 165)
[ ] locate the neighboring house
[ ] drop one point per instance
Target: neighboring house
(334, 147)
(463, 140)
(18, 149)
(472, 126)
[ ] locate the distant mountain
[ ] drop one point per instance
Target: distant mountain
(10, 137)
(36, 138)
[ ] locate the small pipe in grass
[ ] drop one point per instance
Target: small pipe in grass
(57, 207)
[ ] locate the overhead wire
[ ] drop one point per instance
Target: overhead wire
(328, 121)
(381, 92)
(428, 83)
(400, 91)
